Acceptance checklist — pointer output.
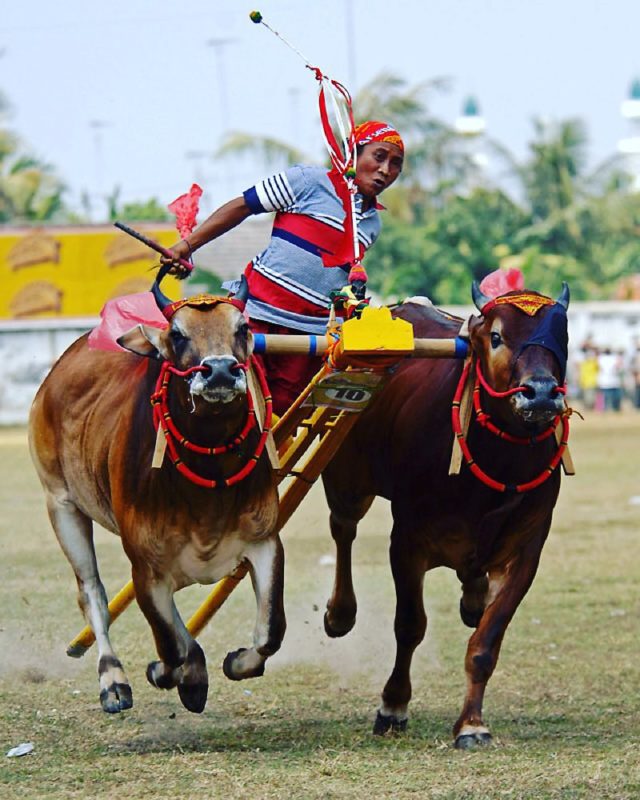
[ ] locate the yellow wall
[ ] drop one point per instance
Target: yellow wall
(71, 272)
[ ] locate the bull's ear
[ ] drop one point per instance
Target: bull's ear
(251, 343)
(143, 340)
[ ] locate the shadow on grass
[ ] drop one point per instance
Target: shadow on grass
(301, 737)
(294, 737)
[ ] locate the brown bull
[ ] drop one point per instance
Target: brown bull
(400, 449)
(92, 440)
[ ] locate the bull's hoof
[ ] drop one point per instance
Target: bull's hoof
(468, 741)
(470, 618)
(391, 724)
(118, 697)
(335, 632)
(232, 662)
(193, 696)
(159, 676)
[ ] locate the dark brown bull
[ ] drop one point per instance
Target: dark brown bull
(400, 449)
(92, 440)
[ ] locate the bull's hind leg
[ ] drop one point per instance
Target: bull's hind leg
(408, 568)
(182, 662)
(266, 566)
(340, 616)
(75, 534)
(507, 587)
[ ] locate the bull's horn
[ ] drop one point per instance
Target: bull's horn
(480, 300)
(242, 295)
(161, 299)
(564, 295)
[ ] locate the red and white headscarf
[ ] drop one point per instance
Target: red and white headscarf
(374, 131)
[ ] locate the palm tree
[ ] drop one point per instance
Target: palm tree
(29, 189)
(268, 150)
(554, 177)
(387, 97)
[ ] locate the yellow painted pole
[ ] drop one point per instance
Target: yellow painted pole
(83, 641)
(216, 598)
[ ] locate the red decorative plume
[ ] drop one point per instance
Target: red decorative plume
(185, 208)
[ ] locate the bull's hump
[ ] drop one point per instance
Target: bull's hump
(429, 321)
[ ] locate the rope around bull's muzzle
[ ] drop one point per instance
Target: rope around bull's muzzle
(162, 420)
(484, 420)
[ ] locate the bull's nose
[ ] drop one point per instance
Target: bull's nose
(221, 371)
(541, 390)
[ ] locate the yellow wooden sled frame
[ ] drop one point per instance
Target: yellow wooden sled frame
(307, 430)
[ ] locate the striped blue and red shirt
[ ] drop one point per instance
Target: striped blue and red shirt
(288, 282)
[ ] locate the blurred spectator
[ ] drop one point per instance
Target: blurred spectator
(588, 375)
(609, 380)
(634, 371)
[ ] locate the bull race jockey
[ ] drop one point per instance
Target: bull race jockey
(289, 284)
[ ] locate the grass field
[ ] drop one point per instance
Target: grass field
(563, 704)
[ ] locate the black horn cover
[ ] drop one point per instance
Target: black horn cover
(563, 299)
(242, 295)
(161, 299)
(480, 300)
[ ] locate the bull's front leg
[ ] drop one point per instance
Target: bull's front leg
(182, 662)
(507, 587)
(75, 534)
(266, 566)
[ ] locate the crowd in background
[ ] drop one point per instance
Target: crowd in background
(605, 378)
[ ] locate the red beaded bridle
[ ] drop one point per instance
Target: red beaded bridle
(162, 419)
(485, 421)
(174, 438)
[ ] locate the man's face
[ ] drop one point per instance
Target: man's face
(378, 165)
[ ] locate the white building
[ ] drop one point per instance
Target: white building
(629, 147)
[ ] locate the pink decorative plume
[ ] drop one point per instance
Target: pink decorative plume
(121, 315)
(185, 208)
(501, 281)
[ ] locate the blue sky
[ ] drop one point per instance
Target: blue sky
(130, 93)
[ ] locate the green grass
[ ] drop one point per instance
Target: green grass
(563, 704)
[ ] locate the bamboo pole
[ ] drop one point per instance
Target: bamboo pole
(273, 343)
(83, 641)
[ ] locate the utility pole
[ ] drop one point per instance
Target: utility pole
(219, 43)
(98, 126)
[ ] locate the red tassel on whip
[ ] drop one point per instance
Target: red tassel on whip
(186, 209)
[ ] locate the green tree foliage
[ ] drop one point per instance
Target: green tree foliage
(566, 224)
(137, 211)
(29, 189)
(464, 240)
